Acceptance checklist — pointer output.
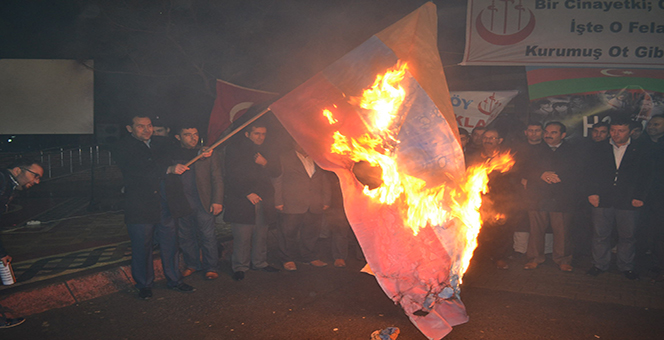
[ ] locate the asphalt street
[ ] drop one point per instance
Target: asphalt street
(326, 303)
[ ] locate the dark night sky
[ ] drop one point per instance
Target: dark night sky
(162, 57)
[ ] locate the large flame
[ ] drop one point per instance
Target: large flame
(421, 206)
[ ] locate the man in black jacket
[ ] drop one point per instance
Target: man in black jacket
(551, 175)
(250, 199)
(20, 175)
(144, 163)
(618, 176)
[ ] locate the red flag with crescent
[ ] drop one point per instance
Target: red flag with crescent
(231, 103)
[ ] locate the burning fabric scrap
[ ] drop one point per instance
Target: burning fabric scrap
(381, 119)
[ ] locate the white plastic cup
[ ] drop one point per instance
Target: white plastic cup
(7, 274)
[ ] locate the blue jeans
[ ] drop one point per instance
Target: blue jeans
(142, 266)
(603, 219)
(250, 243)
(197, 237)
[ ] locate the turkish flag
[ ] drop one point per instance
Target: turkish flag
(416, 271)
(231, 103)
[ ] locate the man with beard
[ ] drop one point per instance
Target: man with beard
(203, 188)
(496, 238)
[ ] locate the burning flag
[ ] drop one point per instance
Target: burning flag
(232, 102)
(381, 118)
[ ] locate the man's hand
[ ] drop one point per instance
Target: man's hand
(260, 160)
(206, 152)
(594, 200)
(524, 182)
(637, 203)
(253, 198)
(216, 208)
(5, 260)
(550, 177)
(325, 207)
(177, 169)
(279, 207)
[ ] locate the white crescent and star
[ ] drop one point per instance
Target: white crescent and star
(239, 107)
(623, 72)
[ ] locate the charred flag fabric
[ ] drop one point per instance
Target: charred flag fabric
(414, 269)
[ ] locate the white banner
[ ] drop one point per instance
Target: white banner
(618, 33)
(479, 108)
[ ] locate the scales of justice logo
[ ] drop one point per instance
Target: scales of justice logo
(505, 24)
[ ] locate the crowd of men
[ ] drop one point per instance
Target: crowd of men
(172, 205)
(600, 195)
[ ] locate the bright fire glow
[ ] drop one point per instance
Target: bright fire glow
(421, 206)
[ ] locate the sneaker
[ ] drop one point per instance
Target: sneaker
(631, 275)
(183, 288)
(318, 263)
(145, 293)
(339, 263)
(9, 323)
(594, 271)
(211, 275)
(238, 276)
(290, 266)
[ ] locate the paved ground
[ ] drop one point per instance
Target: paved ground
(78, 247)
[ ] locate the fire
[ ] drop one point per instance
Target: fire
(420, 205)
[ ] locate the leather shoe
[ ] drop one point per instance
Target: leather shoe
(501, 264)
(183, 288)
(318, 263)
(9, 323)
(269, 269)
(238, 276)
(211, 275)
(339, 263)
(290, 266)
(188, 272)
(594, 271)
(631, 275)
(566, 267)
(530, 265)
(145, 293)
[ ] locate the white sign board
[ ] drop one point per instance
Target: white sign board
(479, 108)
(618, 33)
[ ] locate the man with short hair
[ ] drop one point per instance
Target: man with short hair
(22, 174)
(476, 141)
(302, 194)
(144, 163)
(655, 128)
(496, 238)
(618, 176)
(249, 199)
(599, 132)
(203, 188)
(551, 186)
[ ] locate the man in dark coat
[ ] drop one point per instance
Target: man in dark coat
(250, 199)
(302, 194)
(618, 177)
(20, 175)
(551, 175)
(203, 188)
(144, 163)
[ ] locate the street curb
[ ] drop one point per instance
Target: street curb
(73, 291)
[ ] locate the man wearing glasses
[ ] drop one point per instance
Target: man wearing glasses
(20, 175)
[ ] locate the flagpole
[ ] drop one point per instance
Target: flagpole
(238, 129)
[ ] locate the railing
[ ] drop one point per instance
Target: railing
(59, 162)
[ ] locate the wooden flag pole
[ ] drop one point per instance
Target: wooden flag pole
(238, 129)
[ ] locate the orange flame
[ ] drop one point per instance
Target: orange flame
(421, 206)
